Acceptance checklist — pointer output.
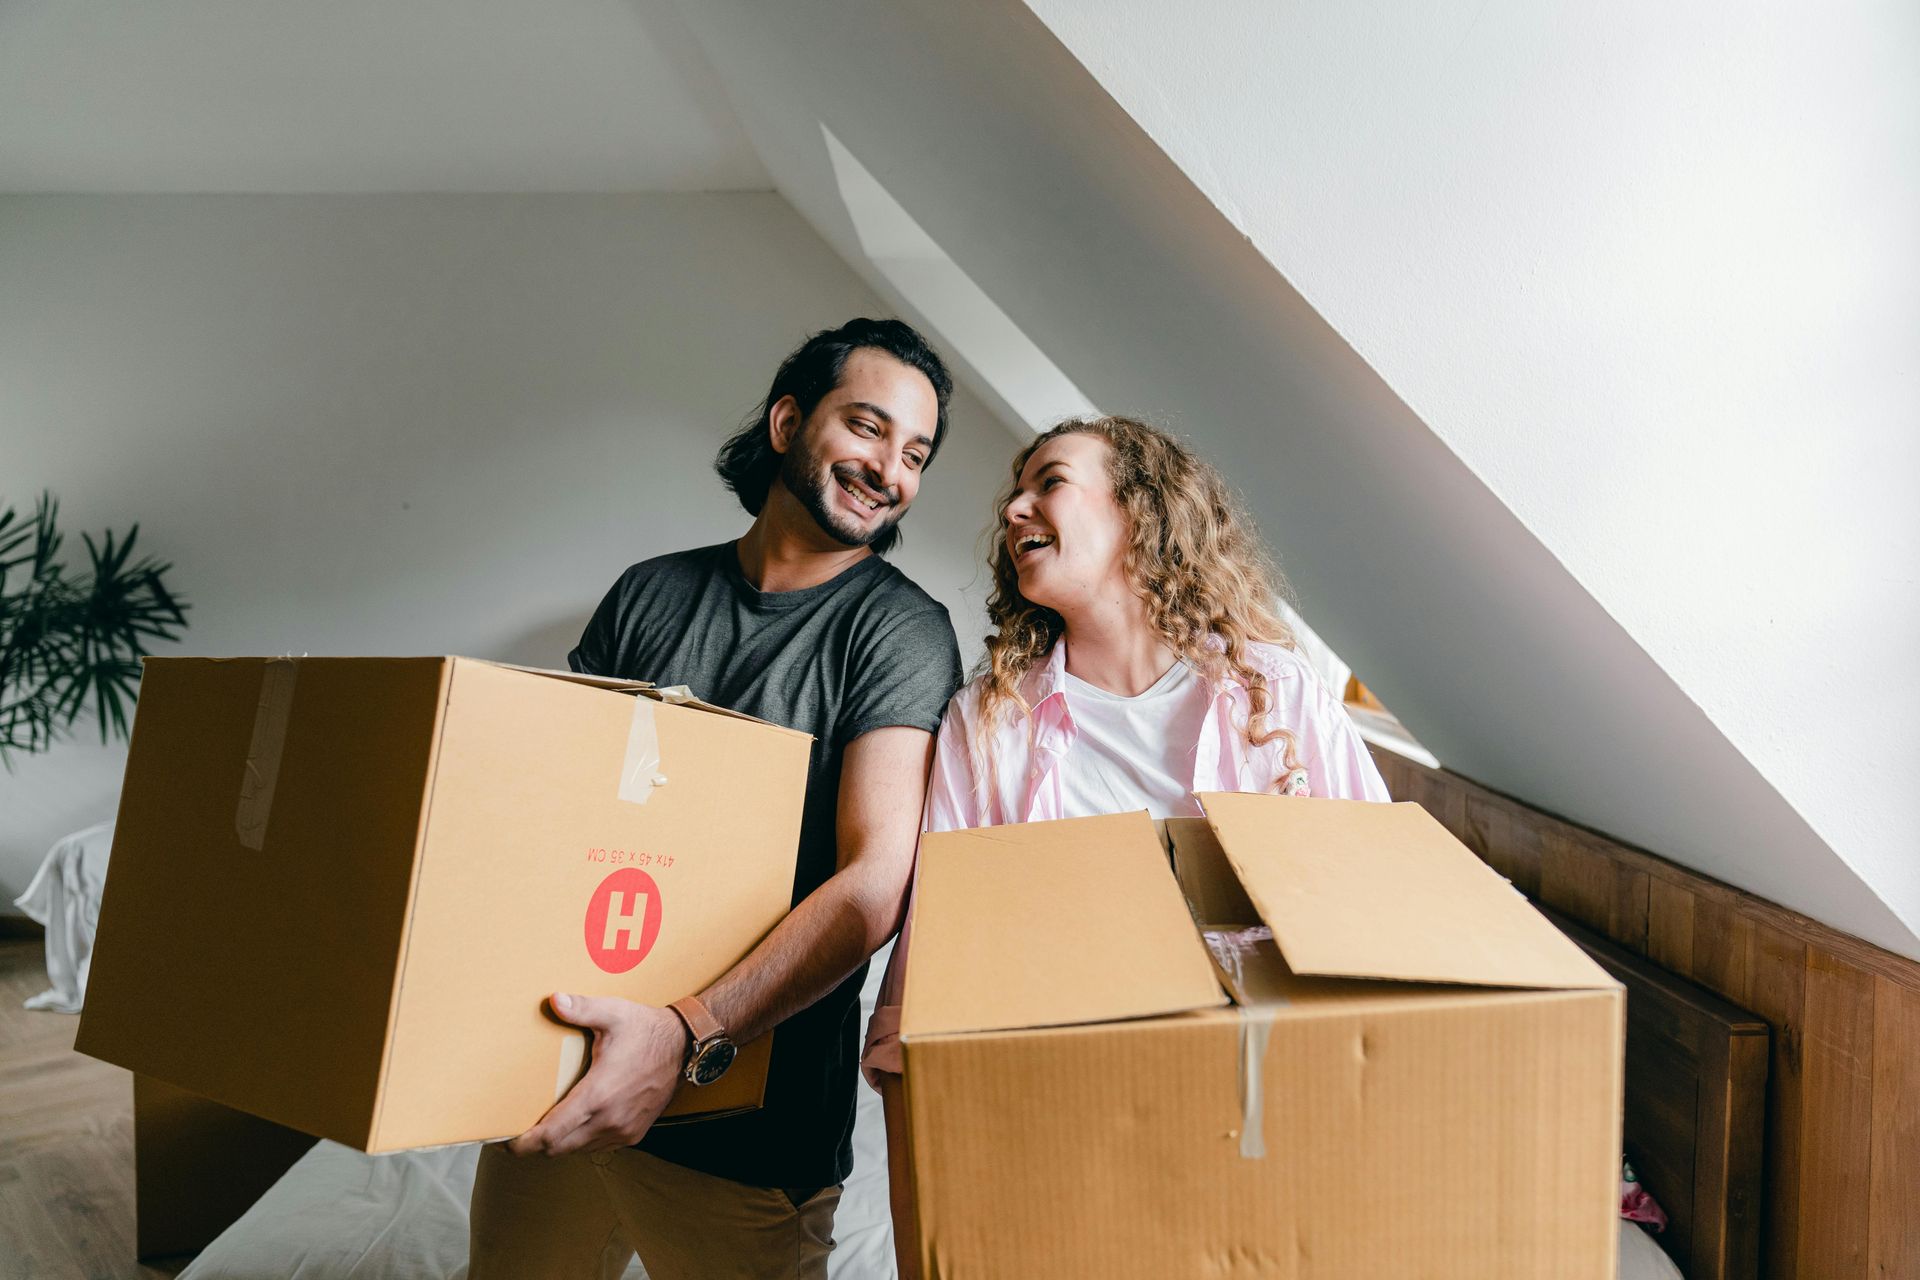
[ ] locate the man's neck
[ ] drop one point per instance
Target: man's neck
(787, 550)
(1113, 646)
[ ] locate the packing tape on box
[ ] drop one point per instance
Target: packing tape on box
(641, 771)
(1256, 1029)
(262, 770)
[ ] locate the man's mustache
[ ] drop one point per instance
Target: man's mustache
(846, 471)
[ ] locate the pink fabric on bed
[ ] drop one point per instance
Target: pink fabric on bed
(1635, 1204)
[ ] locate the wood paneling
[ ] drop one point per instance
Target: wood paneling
(1836, 1129)
(1893, 1216)
(1429, 790)
(1670, 926)
(1577, 880)
(1841, 1194)
(1500, 833)
(1776, 990)
(1720, 938)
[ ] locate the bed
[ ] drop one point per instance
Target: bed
(1696, 1110)
(1696, 1071)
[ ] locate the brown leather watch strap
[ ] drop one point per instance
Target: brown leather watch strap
(701, 1024)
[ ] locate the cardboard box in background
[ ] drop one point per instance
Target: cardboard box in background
(197, 1166)
(1423, 1077)
(341, 888)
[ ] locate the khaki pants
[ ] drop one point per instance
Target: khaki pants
(583, 1217)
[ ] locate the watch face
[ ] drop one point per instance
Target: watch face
(713, 1062)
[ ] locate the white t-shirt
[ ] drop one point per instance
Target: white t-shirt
(1135, 753)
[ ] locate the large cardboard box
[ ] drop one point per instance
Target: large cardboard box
(1422, 1078)
(341, 888)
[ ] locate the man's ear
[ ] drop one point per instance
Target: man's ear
(784, 423)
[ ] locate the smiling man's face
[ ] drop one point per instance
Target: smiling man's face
(855, 465)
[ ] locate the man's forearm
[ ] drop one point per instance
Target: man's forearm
(809, 953)
(840, 924)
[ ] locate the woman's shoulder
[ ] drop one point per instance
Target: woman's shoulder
(1280, 662)
(1299, 695)
(964, 706)
(968, 695)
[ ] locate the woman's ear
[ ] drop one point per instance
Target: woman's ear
(784, 423)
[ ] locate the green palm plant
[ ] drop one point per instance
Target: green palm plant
(67, 639)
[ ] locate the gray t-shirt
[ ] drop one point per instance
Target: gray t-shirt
(861, 651)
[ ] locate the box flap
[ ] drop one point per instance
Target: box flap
(1362, 890)
(1214, 892)
(1050, 923)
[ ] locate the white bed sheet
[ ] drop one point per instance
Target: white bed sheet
(64, 896)
(341, 1215)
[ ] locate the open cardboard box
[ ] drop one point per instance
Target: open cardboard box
(1419, 1075)
(341, 888)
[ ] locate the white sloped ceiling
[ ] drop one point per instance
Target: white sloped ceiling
(1605, 516)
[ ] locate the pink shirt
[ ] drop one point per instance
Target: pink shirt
(1032, 756)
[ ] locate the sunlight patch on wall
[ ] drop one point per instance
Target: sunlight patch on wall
(1032, 387)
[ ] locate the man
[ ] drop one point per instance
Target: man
(799, 622)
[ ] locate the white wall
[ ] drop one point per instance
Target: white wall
(408, 424)
(1653, 272)
(1447, 595)
(209, 96)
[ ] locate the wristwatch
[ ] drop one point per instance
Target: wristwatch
(711, 1052)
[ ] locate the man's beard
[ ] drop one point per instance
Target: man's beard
(813, 483)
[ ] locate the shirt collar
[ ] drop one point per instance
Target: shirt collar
(1053, 676)
(1048, 680)
(1220, 755)
(1045, 691)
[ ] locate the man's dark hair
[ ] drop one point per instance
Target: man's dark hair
(747, 462)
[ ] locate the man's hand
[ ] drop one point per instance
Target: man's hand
(637, 1055)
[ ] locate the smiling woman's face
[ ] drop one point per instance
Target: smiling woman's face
(1064, 529)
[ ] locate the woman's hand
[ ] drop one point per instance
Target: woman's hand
(882, 1055)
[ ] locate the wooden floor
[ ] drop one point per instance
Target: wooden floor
(66, 1142)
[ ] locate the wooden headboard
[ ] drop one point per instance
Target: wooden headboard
(1843, 1088)
(1695, 1110)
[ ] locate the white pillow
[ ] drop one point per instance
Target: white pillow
(1641, 1258)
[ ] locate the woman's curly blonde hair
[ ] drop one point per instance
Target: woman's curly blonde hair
(1192, 557)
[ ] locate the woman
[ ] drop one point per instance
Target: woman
(1137, 659)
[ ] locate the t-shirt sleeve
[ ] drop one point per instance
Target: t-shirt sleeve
(599, 643)
(903, 678)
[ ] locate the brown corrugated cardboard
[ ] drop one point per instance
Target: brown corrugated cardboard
(1461, 1126)
(1086, 925)
(341, 887)
(1355, 890)
(197, 1166)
